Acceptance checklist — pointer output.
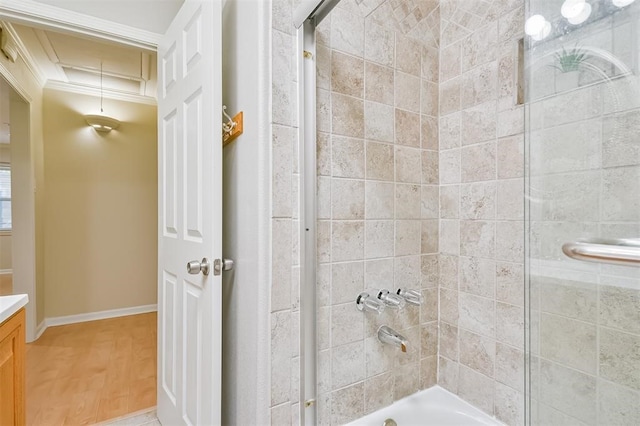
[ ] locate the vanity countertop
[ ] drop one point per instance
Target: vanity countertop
(9, 305)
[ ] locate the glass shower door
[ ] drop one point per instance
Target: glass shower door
(583, 194)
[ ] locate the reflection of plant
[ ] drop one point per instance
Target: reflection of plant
(571, 60)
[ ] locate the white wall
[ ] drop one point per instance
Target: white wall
(246, 83)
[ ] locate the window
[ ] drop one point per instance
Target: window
(5, 197)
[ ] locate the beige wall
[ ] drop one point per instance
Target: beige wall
(100, 206)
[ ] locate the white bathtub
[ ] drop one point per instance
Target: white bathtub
(433, 407)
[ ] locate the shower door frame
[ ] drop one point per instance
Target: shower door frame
(306, 18)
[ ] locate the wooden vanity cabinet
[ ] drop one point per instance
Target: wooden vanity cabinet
(12, 372)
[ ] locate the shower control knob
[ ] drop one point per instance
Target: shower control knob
(391, 300)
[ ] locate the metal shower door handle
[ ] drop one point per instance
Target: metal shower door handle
(623, 251)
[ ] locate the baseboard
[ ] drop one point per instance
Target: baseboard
(93, 316)
(6, 271)
(40, 329)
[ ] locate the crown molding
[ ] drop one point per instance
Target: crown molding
(32, 64)
(93, 91)
(43, 15)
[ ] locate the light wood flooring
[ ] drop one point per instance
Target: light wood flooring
(90, 372)
(6, 284)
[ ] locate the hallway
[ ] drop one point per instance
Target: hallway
(90, 372)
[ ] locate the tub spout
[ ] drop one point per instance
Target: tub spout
(390, 336)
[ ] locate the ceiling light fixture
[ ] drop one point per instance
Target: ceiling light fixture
(100, 122)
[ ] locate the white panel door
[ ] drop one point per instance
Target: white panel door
(189, 202)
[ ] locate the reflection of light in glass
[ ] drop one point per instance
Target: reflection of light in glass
(537, 27)
(622, 3)
(572, 8)
(577, 11)
(583, 16)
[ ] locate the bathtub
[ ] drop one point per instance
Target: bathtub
(433, 407)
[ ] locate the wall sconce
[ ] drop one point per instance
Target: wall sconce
(100, 122)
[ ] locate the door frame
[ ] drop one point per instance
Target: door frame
(41, 15)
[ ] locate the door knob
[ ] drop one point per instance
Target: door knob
(194, 267)
(220, 265)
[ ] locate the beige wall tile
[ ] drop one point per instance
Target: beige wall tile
(347, 404)
(478, 201)
(347, 32)
(347, 115)
(408, 55)
(448, 341)
(448, 374)
(408, 165)
(379, 44)
(378, 83)
(378, 392)
(379, 238)
(568, 390)
(430, 236)
(510, 366)
(347, 281)
(477, 238)
(473, 386)
(347, 157)
(449, 276)
(408, 199)
(430, 271)
(509, 405)
(510, 283)
(449, 306)
(407, 128)
(620, 308)
(449, 166)
(429, 98)
(479, 85)
(620, 357)
(450, 201)
(406, 95)
(479, 123)
(510, 324)
(347, 74)
(480, 49)
(347, 365)
(430, 202)
(450, 96)
(347, 240)
(408, 237)
(378, 122)
(428, 372)
(450, 62)
(569, 342)
(429, 132)
(477, 276)
(477, 314)
(347, 199)
(478, 162)
(449, 237)
(450, 131)
(379, 200)
(430, 167)
(380, 161)
(477, 352)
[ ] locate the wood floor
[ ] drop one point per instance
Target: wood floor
(6, 284)
(90, 372)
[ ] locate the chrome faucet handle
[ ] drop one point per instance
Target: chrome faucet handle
(364, 302)
(413, 297)
(391, 300)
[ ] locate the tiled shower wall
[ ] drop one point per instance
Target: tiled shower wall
(481, 207)
(377, 103)
(391, 209)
